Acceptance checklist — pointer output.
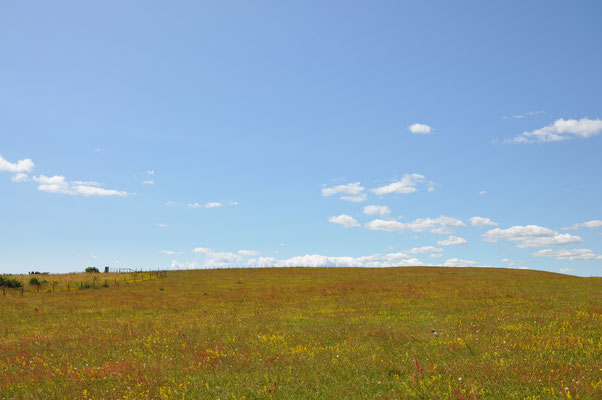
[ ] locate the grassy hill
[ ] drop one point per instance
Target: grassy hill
(328, 333)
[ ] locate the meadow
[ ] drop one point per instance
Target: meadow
(305, 333)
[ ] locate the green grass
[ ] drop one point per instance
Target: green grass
(325, 333)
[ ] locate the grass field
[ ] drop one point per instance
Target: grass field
(326, 333)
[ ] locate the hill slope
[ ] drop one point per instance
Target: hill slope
(309, 333)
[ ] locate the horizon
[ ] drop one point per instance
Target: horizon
(197, 136)
(150, 270)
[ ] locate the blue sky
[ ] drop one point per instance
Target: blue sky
(203, 134)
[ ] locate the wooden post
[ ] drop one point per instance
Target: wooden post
(22, 290)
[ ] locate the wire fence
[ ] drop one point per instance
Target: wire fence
(44, 283)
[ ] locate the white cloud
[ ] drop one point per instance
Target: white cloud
(355, 199)
(456, 262)
(354, 188)
(170, 203)
(87, 183)
(175, 264)
(149, 182)
(596, 223)
(439, 225)
(568, 254)
(215, 259)
(263, 262)
(530, 236)
(58, 184)
(162, 225)
(509, 262)
(202, 250)
(389, 225)
(524, 115)
(482, 192)
(376, 260)
(25, 165)
(435, 255)
(451, 240)
(406, 185)
(565, 270)
(222, 259)
(212, 204)
(96, 191)
(383, 211)
(346, 220)
(168, 252)
(20, 177)
(560, 130)
(349, 192)
(420, 129)
(481, 222)
(432, 251)
(150, 172)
